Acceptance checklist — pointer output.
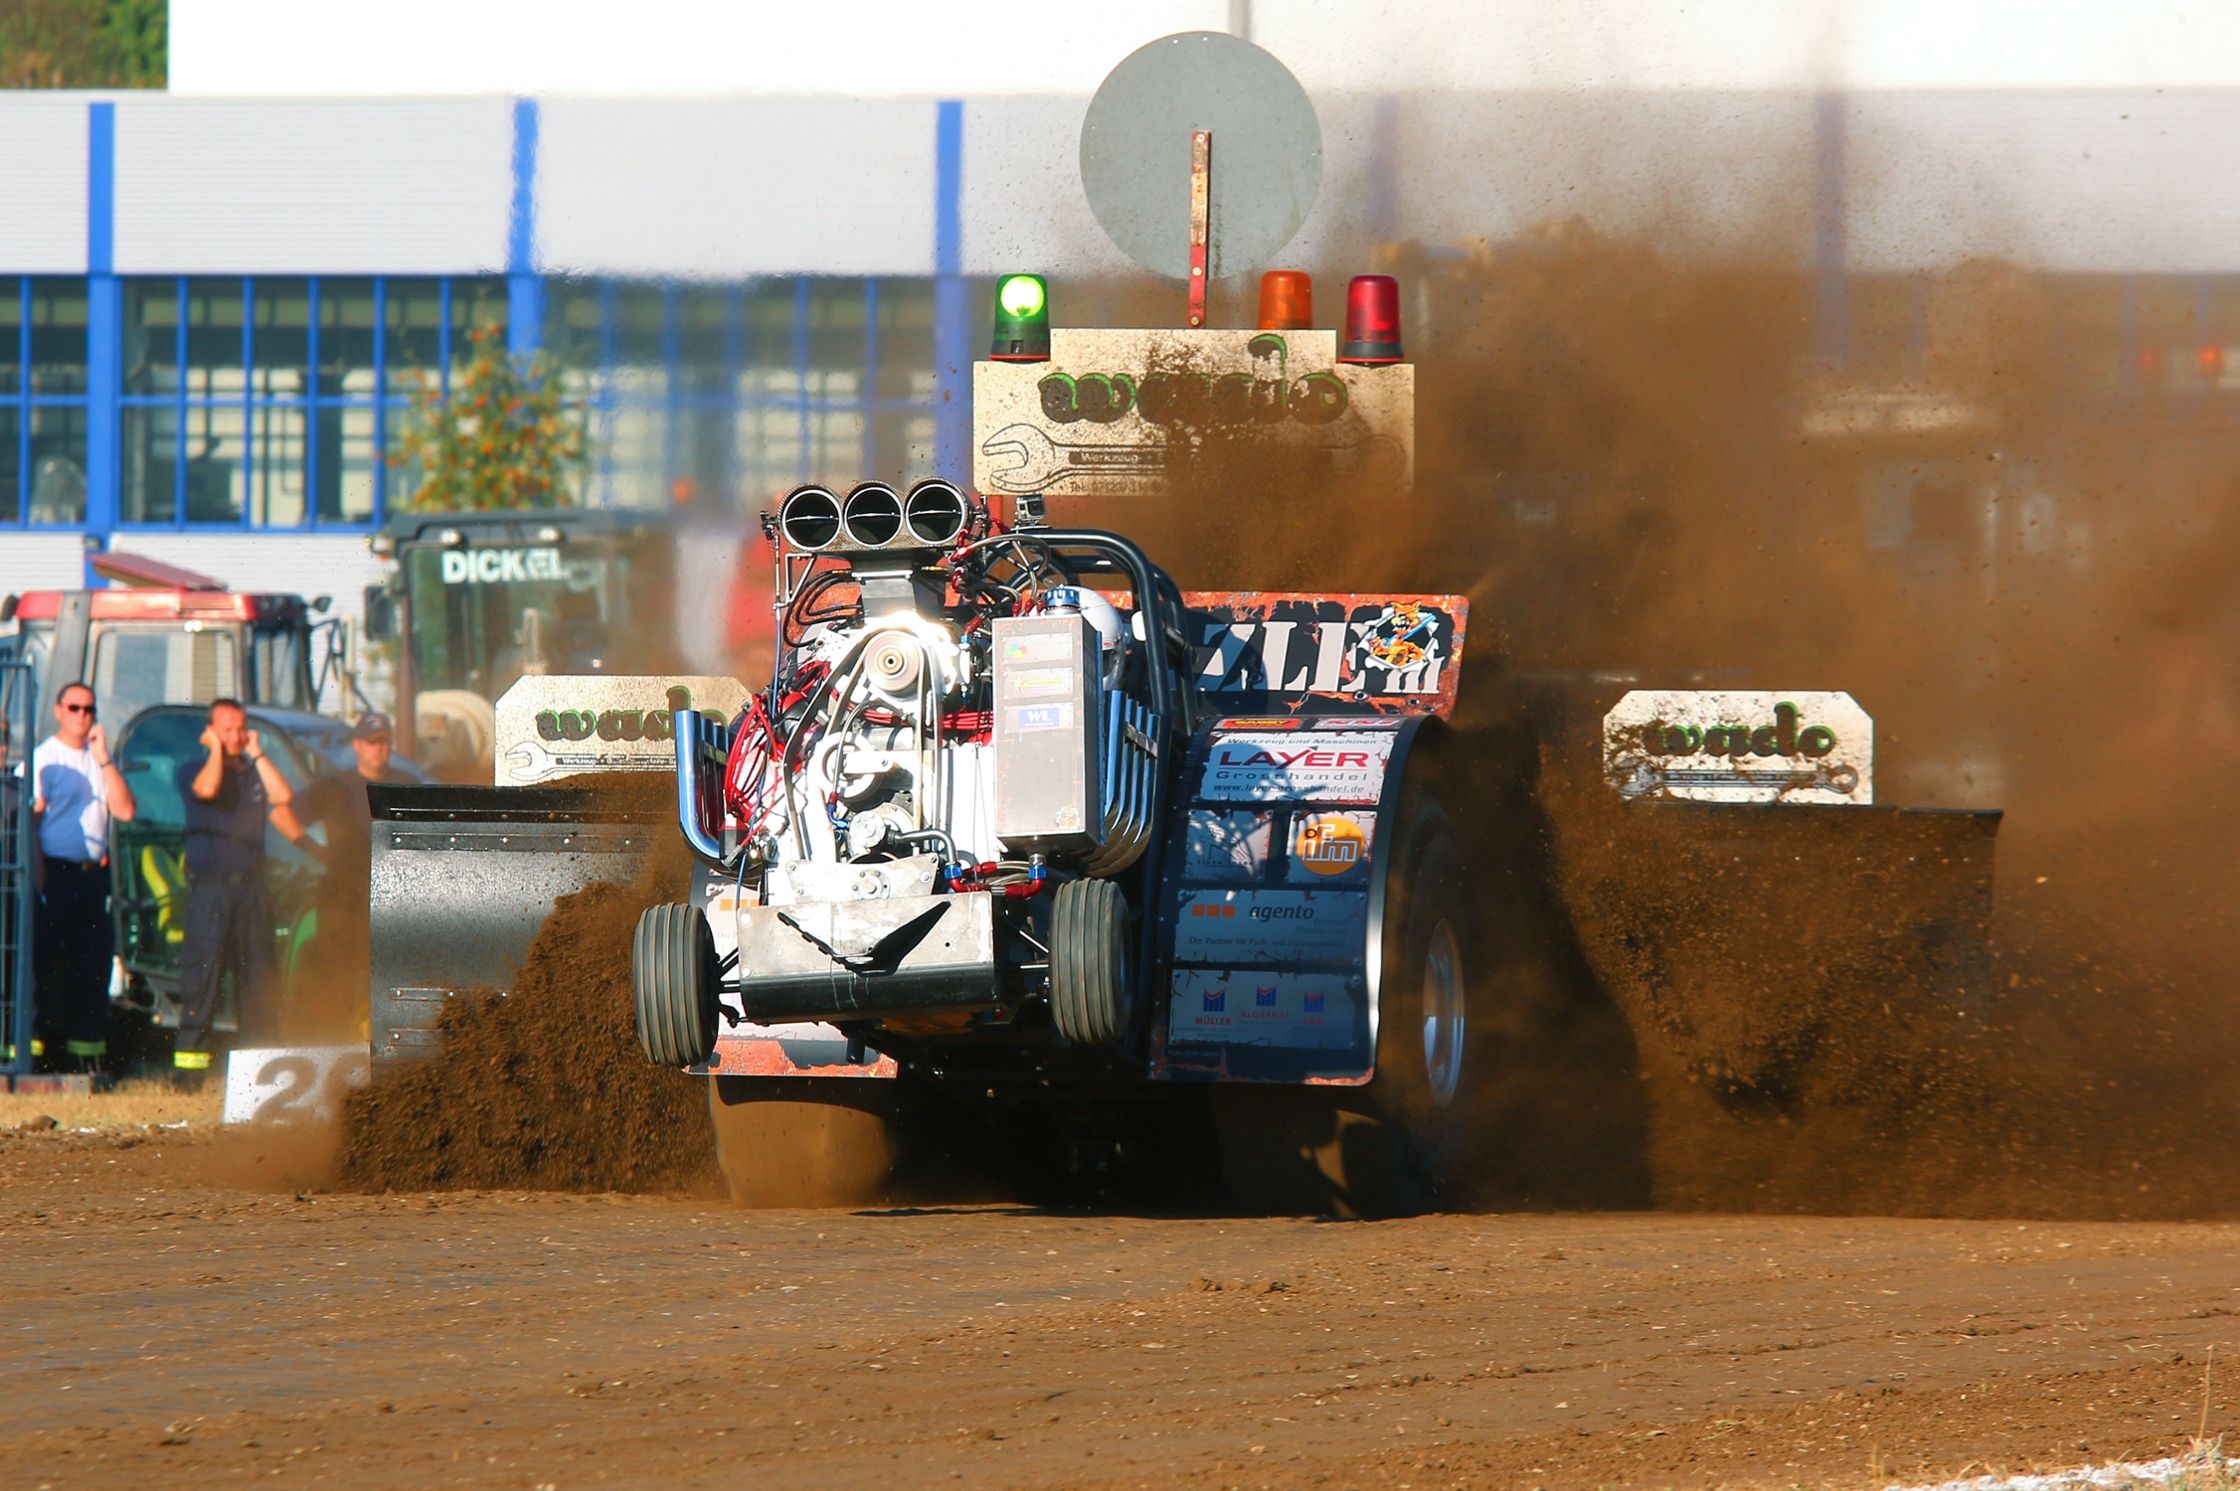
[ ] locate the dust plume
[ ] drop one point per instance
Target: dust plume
(2025, 564)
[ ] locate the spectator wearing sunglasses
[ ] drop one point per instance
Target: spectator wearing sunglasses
(77, 792)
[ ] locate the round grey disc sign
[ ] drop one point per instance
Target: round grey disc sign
(1135, 152)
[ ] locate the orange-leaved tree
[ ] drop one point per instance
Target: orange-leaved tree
(504, 438)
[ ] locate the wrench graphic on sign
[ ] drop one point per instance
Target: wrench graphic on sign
(529, 762)
(1038, 463)
(1635, 778)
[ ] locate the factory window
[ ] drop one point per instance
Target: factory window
(268, 402)
(741, 391)
(42, 400)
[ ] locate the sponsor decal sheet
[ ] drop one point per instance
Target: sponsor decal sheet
(1271, 919)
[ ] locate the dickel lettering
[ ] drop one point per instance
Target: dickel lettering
(500, 566)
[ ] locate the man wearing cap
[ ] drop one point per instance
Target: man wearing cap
(230, 795)
(76, 793)
(340, 803)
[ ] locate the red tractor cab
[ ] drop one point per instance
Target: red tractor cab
(164, 635)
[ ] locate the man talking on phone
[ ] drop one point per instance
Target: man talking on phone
(77, 792)
(230, 795)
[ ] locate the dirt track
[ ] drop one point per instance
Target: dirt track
(164, 1329)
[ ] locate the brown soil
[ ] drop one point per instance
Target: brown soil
(547, 1087)
(163, 1331)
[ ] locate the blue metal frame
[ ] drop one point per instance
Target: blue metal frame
(25, 400)
(19, 689)
(104, 330)
(23, 396)
(952, 300)
(524, 287)
(311, 403)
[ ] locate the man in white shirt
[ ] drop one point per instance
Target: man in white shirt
(76, 793)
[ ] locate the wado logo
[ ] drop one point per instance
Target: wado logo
(1330, 845)
(499, 566)
(620, 724)
(1267, 395)
(1781, 738)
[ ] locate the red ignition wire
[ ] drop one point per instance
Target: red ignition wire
(746, 774)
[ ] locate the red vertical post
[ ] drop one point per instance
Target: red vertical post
(1201, 192)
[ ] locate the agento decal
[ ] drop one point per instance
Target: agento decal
(1280, 928)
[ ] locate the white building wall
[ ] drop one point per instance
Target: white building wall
(43, 182)
(2112, 180)
(294, 186)
(1699, 171)
(338, 565)
(727, 187)
(1020, 193)
(41, 561)
(735, 187)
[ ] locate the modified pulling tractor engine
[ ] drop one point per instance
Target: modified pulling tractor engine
(986, 829)
(929, 812)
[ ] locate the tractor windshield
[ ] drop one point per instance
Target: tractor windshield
(280, 666)
(137, 664)
(483, 617)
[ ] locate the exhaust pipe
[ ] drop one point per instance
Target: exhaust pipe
(935, 512)
(872, 516)
(810, 519)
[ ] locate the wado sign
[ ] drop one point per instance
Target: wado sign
(561, 725)
(1117, 413)
(1737, 746)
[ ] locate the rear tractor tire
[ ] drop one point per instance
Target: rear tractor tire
(1089, 962)
(673, 976)
(1408, 1141)
(1429, 1067)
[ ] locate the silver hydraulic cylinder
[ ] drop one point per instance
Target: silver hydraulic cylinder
(1048, 684)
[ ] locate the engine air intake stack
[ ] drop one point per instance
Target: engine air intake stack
(935, 512)
(872, 516)
(810, 519)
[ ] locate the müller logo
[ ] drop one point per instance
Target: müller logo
(1781, 738)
